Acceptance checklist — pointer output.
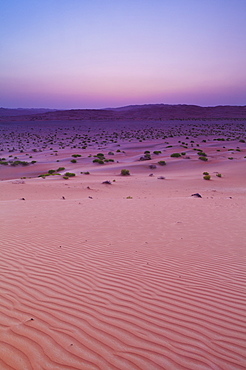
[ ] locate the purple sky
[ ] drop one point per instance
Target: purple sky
(99, 53)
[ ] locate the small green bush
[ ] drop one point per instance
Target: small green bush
(125, 172)
(76, 155)
(205, 173)
(98, 160)
(73, 161)
(218, 175)
(207, 177)
(156, 152)
(108, 160)
(203, 159)
(69, 174)
(60, 169)
(162, 163)
(175, 155)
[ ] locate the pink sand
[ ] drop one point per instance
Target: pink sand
(99, 280)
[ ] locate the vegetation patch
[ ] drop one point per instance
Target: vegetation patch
(175, 155)
(98, 160)
(125, 172)
(69, 174)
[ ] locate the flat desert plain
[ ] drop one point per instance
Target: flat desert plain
(108, 271)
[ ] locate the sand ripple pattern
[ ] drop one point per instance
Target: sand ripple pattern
(89, 292)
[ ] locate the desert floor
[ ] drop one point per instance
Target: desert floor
(135, 273)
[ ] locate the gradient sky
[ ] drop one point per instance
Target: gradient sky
(109, 53)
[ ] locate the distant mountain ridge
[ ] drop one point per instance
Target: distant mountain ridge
(8, 112)
(131, 112)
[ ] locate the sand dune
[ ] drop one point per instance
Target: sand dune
(138, 274)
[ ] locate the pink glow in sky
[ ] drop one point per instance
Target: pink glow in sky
(94, 53)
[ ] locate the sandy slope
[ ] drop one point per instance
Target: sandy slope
(99, 281)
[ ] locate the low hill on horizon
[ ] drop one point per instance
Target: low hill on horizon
(8, 112)
(132, 112)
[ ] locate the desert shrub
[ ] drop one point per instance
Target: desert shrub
(147, 152)
(146, 157)
(4, 163)
(129, 197)
(183, 153)
(69, 174)
(76, 155)
(118, 151)
(33, 162)
(205, 173)
(230, 158)
(202, 154)
(125, 172)
(110, 153)
(98, 160)
(241, 141)
(50, 172)
(162, 163)
(73, 161)
(60, 169)
(218, 175)
(66, 177)
(203, 159)
(157, 152)
(15, 163)
(207, 177)
(175, 155)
